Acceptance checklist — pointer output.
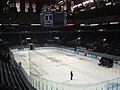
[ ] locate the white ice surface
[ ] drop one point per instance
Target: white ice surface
(55, 65)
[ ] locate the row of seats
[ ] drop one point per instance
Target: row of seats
(10, 77)
(90, 40)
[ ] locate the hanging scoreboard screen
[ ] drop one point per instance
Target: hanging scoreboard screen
(53, 19)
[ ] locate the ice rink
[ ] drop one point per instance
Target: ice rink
(56, 64)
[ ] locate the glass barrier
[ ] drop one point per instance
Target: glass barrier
(43, 84)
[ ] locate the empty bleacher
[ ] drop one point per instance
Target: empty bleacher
(10, 75)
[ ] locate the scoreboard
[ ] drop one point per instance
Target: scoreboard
(53, 19)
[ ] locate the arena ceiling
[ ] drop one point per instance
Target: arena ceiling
(102, 13)
(6, 5)
(40, 3)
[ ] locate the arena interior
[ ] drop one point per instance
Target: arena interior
(59, 44)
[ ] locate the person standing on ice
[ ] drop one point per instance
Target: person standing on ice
(71, 75)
